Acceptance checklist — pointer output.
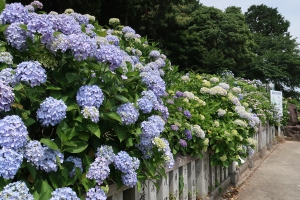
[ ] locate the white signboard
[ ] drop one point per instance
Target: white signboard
(276, 98)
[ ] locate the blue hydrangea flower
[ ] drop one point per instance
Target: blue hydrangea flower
(16, 36)
(112, 39)
(182, 143)
(129, 179)
(31, 72)
(14, 12)
(106, 152)
(148, 101)
(154, 54)
(81, 19)
(89, 95)
(160, 62)
(6, 96)
(154, 82)
(95, 193)
(10, 162)
(29, 8)
(8, 76)
(51, 112)
(82, 46)
(128, 29)
(128, 113)
(48, 163)
(34, 152)
(66, 24)
(13, 132)
(59, 42)
(6, 57)
(16, 191)
(111, 54)
(40, 24)
(90, 112)
(64, 193)
(77, 164)
(125, 163)
(98, 170)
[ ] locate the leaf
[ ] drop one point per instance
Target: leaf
(31, 169)
(129, 142)
(18, 87)
(3, 27)
(29, 121)
(113, 115)
(121, 98)
(53, 88)
(73, 107)
(23, 26)
(56, 33)
(94, 129)
(120, 132)
(80, 147)
(49, 143)
(71, 77)
(93, 65)
(150, 167)
(44, 189)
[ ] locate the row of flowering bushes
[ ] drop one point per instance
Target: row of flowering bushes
(83, 107)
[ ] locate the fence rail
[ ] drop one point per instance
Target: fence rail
(199, 178)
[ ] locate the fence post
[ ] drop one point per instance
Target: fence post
(192, 179)
(163, 191)
(174, 184)
(201, 176)
(183, 171)
(234, 173)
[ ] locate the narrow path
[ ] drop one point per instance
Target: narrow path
(278, 176)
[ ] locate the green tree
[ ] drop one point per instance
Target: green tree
(212, 41)
(277, 55)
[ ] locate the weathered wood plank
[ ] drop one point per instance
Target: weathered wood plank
(163, 191)
(183, 171)
(192, 180)
(174, 184)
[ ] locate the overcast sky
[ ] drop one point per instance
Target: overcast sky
(289, 9)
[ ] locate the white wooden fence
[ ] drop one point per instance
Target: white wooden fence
(199, 178)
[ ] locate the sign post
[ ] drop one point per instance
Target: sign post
(276, 98)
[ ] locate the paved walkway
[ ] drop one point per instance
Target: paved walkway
(277, 177)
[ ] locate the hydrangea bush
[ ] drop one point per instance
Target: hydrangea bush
(81, 106)
(218, 114)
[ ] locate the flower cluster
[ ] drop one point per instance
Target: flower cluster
(128, 113)
(13, 132)
(99, 170)
(198, 131)
(7, 76)
(48, 162)
(64, 193)
(95, 193)
(6, 96)
(89, 95)
(10, 162)
(34, 152)
(51, 111)
(17, 190)
(31, 72)
(6, 57)
(90, 112)
(127, 165)
(77, 164)
(148, 101)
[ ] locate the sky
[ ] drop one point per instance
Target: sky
(289, 9)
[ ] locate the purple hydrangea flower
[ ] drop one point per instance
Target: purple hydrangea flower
(96, 193)
(64, 193)
(13, 132)
(6, 95)
(182, 143)
(127, 29)
(77, 164)
(154, 54)
(98, 170)
(187, 114)
(48, 162)
(154, 82)
(16, 190)
(170, 101)
(174, 127)
(128, 113)
(90, 112)
(29, 8)
(31, 72)
(51, 112)
(14, 12)
(7, 76)
(106, 152)
(179, 94)
(66, 24)
(34, 152)
(10, 162)
(160, 62)
(188, 134)
(89, 95)
(16, 36)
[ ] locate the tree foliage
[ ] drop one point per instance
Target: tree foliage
(277, 56)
